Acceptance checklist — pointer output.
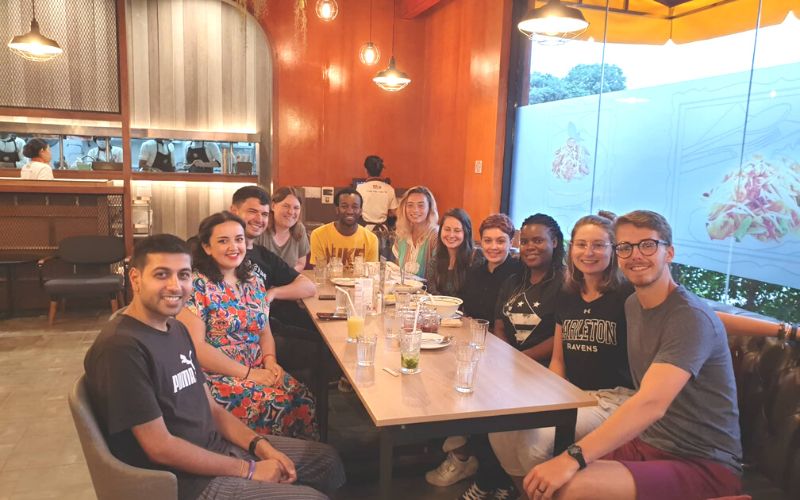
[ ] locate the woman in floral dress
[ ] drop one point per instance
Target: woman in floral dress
(228, 319)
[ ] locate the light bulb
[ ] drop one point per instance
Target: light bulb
(369, 54)
(327, 10)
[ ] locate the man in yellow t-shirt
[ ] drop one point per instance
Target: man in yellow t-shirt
(344, 238)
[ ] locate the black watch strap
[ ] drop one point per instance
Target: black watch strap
(576, 452)
(254, 443)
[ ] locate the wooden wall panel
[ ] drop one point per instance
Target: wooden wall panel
(329, 115)
(188, 67)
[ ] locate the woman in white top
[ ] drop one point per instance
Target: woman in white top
(286, 236)
(417, 230)
(39, 167)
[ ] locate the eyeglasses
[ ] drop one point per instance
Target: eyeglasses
(646, 247)
(585, 245)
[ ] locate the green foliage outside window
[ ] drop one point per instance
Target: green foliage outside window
(776, 301)
(582, 80)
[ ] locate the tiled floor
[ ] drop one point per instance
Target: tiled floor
(41, 457)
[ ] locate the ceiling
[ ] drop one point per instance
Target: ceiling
(656, 21)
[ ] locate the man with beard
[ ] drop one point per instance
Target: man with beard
(150, 397)
(678, 436)
(344, 238)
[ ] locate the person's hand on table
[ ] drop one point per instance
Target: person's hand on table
(545, 479)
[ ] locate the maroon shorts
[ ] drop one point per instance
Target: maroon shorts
(662, 476)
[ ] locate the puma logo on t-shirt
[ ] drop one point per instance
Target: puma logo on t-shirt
(184, 378)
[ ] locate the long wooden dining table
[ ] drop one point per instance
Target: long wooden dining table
(511, 391)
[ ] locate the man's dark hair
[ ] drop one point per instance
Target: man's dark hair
(347, 191)
(244, 193)
(374, 165)
(158, 243)
(34, 147)
(204, 262)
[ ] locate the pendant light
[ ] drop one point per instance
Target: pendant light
(34, 46)
(327, 10)
(553, 19)
(391, 79)
(369, 53)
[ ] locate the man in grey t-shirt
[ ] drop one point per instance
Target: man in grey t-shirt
(678, 436)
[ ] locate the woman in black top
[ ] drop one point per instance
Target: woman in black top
(525, 313)
(484, 279)
(454, 254)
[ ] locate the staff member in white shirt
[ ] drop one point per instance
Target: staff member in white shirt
(39, 167)
(100, 152)
(11, 149)
(380, 202)
(157, 154)
(203, 151)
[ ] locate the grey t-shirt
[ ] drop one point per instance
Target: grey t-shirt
(292, 250)
(703, 420)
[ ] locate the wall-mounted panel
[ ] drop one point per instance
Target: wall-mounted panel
(84, 78)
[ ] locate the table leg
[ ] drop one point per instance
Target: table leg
(565, 433)
(386, 452)
(322, 391)
(10, 290)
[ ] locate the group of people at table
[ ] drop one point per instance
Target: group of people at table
(188, 377)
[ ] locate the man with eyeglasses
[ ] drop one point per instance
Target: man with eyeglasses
(678, 436)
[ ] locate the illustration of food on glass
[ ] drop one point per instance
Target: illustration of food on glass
(571, 161)
(761, 199)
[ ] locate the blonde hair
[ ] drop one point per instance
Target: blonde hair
(403, 224)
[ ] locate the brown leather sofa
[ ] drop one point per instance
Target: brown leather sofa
(767, 374)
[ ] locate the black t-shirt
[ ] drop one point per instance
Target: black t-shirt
(528, 311)
(271, 268)
(481, 287)
(594, 339)
(136, 374)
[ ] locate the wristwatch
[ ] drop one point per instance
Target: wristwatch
(254, 443)
(576, 452)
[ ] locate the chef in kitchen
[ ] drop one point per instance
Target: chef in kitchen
(157, 154)
(11, 151)
(202, 151)
(102, 150)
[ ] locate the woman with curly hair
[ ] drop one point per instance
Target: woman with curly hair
(228, 319)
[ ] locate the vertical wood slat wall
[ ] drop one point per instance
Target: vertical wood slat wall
(199, 65)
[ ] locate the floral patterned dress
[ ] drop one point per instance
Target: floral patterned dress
(234, 318)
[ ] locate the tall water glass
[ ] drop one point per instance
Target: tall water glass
(320, 275)
(467, 356)
(391, 325)
(342, 303)
(478, 329)
(365, 349)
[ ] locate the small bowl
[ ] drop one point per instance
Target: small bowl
(446, 306)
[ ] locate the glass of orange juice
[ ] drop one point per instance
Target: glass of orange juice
(355, 323)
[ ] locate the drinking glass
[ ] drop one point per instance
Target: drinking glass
(402, 300)
(467, 356)
(358, 266)
(409, 351)
(365, 352)
(391, 324)
(342, 304)
(320, 275)
(355, 323)
(478, 329)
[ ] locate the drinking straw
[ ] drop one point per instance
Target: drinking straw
(416, 315)
(349, 300)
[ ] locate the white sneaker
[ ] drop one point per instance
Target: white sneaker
(452, 470)
(475, 493)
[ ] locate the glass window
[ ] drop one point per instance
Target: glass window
(704, 132)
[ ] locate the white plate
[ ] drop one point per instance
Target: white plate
(433, 341)
(344, 281)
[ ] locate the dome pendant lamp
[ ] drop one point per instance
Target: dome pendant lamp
(369, 53)
(34, 46)
(391, 79)
(327, 10)
(553, 20)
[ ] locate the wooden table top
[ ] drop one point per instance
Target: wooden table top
(507, 382)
